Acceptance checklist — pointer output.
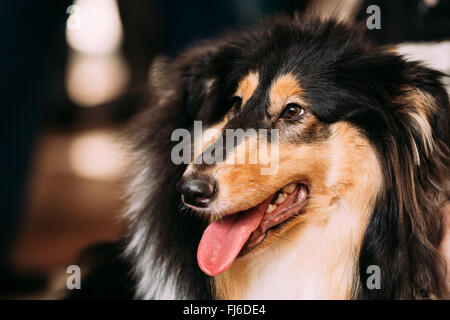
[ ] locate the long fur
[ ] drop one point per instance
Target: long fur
(403, 110)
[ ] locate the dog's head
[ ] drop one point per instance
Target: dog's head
(320, 109)
(318, 117)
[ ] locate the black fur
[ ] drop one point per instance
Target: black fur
(345, 78)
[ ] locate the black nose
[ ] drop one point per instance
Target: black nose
(197, 190)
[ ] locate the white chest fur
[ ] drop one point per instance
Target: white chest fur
(314, 262)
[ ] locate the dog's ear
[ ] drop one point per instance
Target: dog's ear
(426, 102)
(189, 78)
(199, 69)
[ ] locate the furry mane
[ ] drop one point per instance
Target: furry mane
(404, 113)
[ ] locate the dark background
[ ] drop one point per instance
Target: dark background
(63, 102)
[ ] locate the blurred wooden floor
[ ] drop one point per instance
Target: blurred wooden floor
(65, 212)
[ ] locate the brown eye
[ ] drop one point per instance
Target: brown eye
(293, 111)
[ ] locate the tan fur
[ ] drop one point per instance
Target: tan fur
(315, 256)
(423, 106)
(285, 89)
(242, 184)
(211, 133)
(242, 196)
(247, 86)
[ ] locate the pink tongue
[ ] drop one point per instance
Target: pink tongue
(223, 239)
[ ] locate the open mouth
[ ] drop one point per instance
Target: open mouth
(237, 234)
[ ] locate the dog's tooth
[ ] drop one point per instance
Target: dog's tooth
(281, 198)
(289, 188)
(271, 208)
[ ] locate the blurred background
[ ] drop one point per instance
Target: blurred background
(73, 73)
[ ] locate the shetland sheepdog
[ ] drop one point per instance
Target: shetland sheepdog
(361, 180)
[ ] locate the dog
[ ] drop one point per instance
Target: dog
(360, 183)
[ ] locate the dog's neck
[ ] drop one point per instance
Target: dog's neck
(314, 261)
(318, 258)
